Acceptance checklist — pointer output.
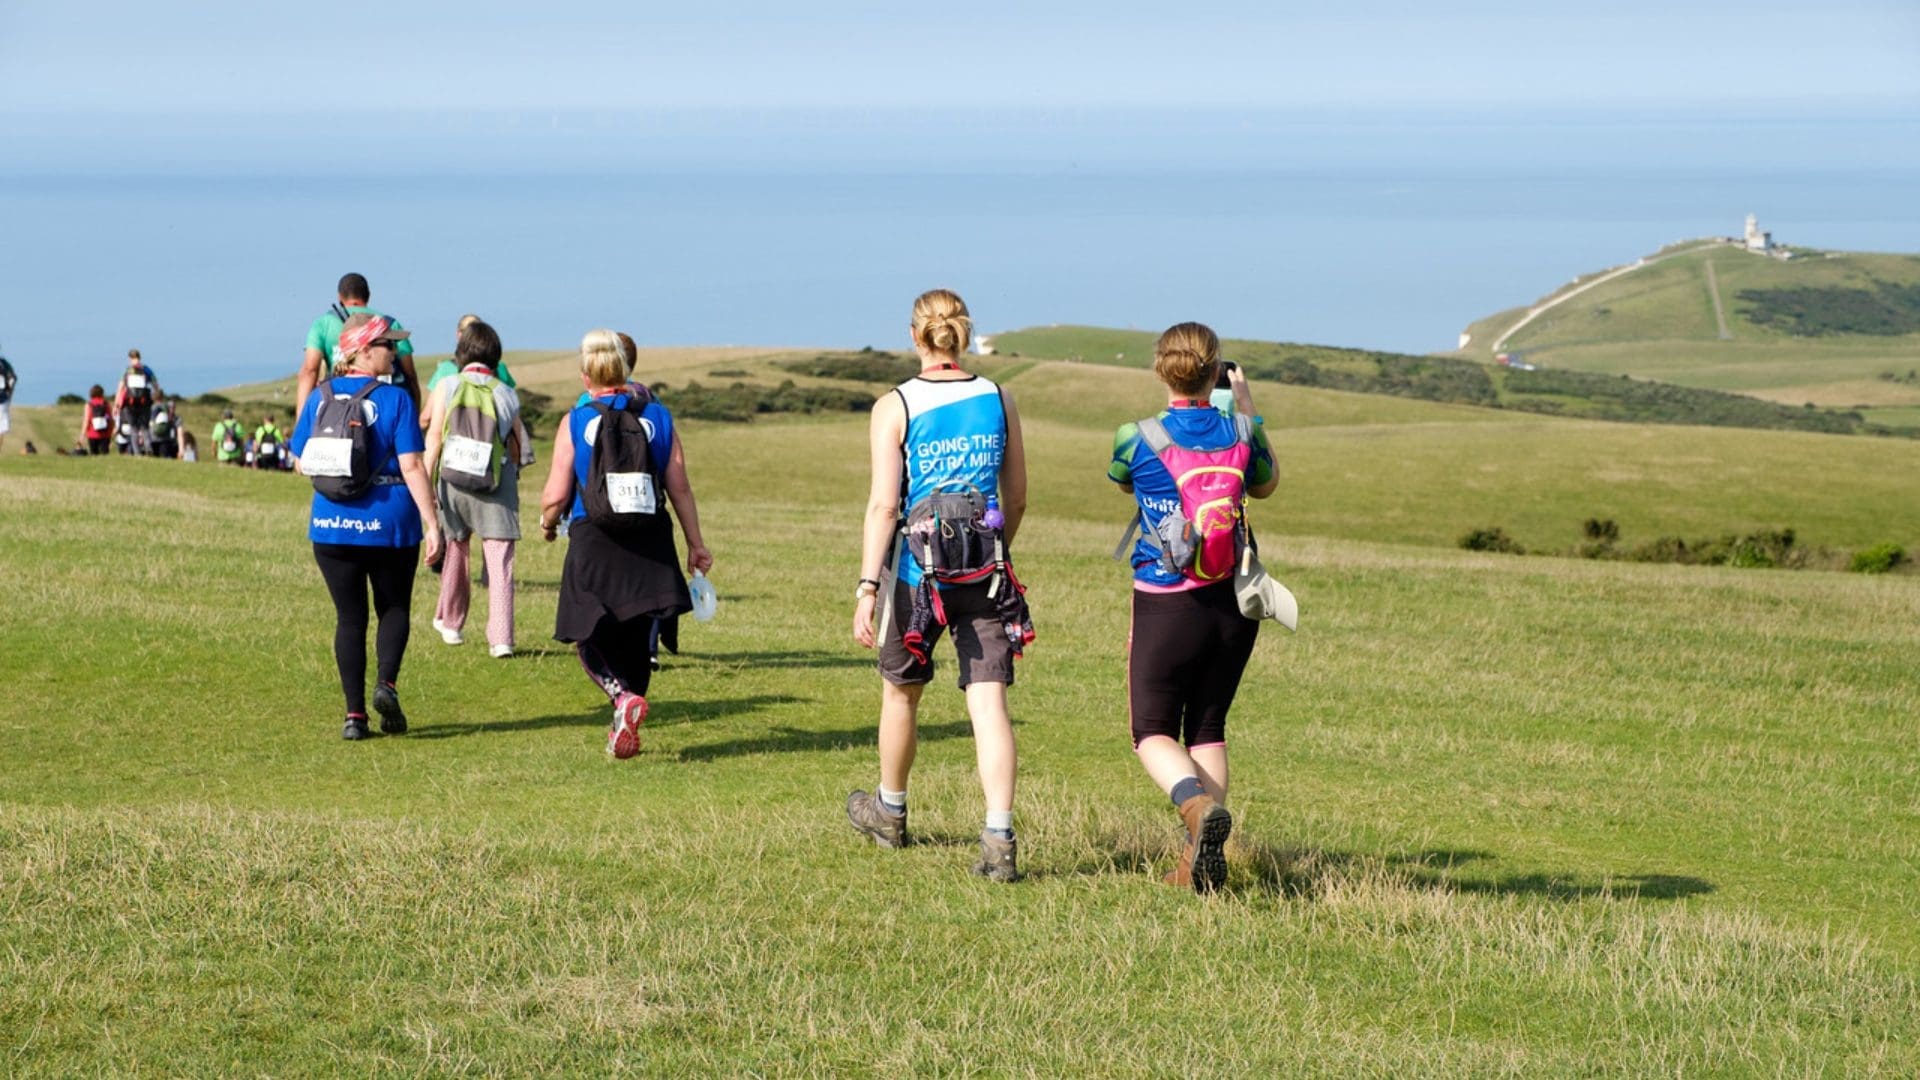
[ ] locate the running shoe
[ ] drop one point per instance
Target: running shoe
(386, 702)
(500, 652)
(871, 818)
(355, 729)
(448, 634)
(623, 738)
(997, 858)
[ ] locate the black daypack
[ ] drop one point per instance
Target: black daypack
(339, 454)
(623, 486)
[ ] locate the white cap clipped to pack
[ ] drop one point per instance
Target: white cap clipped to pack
(1261, 596)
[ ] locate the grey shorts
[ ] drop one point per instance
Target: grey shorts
(979, 641)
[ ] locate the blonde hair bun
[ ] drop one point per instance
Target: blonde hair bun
(1186, 358)
(941, 322)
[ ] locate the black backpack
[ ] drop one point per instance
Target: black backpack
(338, 457)
(623, 488)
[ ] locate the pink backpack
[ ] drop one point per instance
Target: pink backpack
(1203, 541)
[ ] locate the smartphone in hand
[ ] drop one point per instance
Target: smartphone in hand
(1222, 396)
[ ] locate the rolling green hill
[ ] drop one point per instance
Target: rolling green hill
(1823, 327)
(1460, 380)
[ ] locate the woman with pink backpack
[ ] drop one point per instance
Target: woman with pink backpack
(1189, 470)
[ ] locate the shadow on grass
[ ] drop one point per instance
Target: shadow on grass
(790, 740)
(670, 714)
(1310, 873)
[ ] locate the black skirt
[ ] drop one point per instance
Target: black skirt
(618, 577)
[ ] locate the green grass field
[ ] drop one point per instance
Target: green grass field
(1496, 814)
(1659, 323)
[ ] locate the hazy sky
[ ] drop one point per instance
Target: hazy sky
(254, 56)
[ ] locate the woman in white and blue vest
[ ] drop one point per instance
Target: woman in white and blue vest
(949, 487)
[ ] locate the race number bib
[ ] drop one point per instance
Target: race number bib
(464, 455)
(630, 493)
(99, 423)
(136, 382)
(228, 446)
(327, 457)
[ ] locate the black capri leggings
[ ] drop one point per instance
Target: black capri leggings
(1186, 652)
(349, 569)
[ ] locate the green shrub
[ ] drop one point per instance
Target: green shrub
(866, 365)
(70, 399)
(1492, 539)
(1878, 559)
(213, 397)
(729, 373)
(741, 401)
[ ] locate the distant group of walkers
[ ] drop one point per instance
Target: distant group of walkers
(405, 474)
(140, 420)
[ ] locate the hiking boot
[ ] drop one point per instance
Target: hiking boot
(386, 702)
(1203, 865)
(870, 816)
(997, 858)
(623, 738)
(355, 729)
(448, 634)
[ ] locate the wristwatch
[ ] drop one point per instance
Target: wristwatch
(867, 587)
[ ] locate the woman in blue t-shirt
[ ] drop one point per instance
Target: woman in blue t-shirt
(1189, 643)
(375, 541)
(620, 578)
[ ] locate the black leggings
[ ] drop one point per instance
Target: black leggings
(1186, 652)
(618, 655)
(348, 570)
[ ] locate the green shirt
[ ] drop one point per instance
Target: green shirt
(220, 432)
(450, 367)
(324, 334)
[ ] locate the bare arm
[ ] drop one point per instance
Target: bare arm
(888, 427)
(680, 494)
(414, 471)
(436, 429)
(311, 365)
(1243, 401)
(1013, 472)
(557, 497)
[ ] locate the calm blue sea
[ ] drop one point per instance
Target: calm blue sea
(1395, 237)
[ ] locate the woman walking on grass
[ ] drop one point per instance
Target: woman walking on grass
(374, 539)
(949, 443)
(1188, 644)
(476, 443)
(616, 454)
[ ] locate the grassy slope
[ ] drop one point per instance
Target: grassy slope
(1658, 323)
(1498, 814)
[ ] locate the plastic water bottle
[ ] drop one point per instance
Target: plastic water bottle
(705, 600)
(993, 518)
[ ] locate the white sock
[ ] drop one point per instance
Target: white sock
(895, 801)
(1000, 819)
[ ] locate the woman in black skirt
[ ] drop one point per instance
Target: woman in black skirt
(622, 572)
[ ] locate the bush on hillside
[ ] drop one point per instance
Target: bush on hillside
(1878, 559)
(1492, 539)
(863, 366)
(1600, 535)
(69, 399)
(213, 397)
(1886, 309)
(741, 401)
(1619, 398)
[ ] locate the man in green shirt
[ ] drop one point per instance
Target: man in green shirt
(229, 440)
(323, 337)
